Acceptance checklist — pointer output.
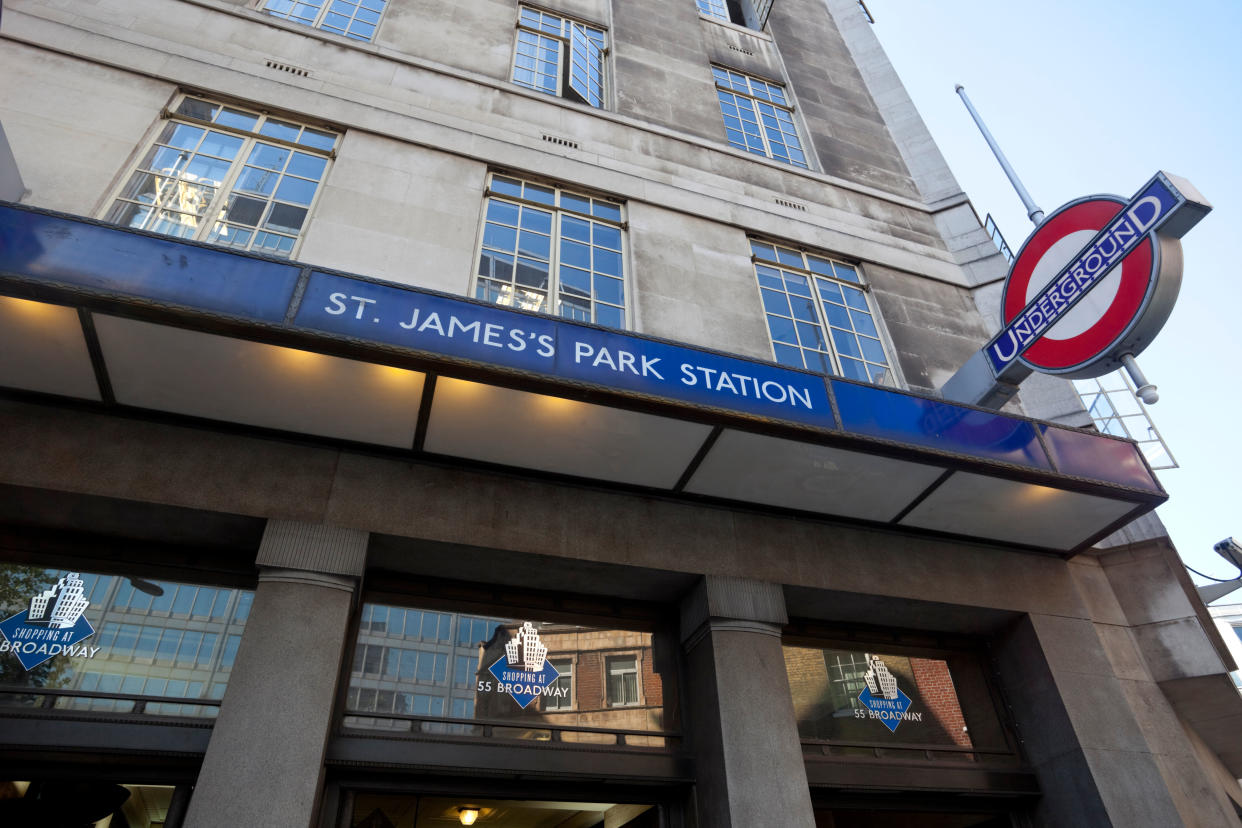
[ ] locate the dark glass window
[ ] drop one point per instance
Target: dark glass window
(504, 670)
(150, 638)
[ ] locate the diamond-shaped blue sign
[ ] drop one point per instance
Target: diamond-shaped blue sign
(888, 711)
(34, 644)
(523, 685)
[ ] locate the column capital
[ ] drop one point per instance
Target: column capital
(310, 547)
(756, 606)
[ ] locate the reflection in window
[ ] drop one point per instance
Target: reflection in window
(564, 684)
(355, 19)
(602, 678)
(622, 681)
(211, 176)
(154, 638)
(827, 685)
(549, 249)
(818, 314)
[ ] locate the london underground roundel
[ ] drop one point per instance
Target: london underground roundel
(1101, 317)
(1095, 281)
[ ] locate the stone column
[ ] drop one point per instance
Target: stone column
(739, 712)
(264, 764)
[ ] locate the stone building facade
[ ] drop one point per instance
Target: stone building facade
(339, 340)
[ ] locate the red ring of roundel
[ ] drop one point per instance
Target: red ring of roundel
(1136, 277)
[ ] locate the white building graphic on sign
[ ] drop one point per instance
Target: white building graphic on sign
(61, 606)
(524, 650)
(879, 680)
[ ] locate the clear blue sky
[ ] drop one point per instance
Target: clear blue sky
(1094, 98)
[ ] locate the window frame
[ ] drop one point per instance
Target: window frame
(824, 324)
(553, 290)
(263, 6)
(756, 102)
(711, 10)
(213, 215)
(566, 675)
(608, 661)
(565, 53)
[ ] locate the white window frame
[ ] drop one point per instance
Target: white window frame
(891, 378)
(570, 701)
(716, 9)
(553, 303)
(212, 218)
(533, 22)
(609, 659)
(282, 9)
(754, 12)
(759, 92)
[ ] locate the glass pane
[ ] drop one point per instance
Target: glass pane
(542, 195)
(296, 190)
(245, 210)
(133, 649)
(506, 186)
(286, 218)
(502, 212)
(857, 696)
(575, 228)
(577, 203)
(280, 129)
(317, 139)
(221, 145)
(511, 670)
(268, 156)
(606, 236)
(535, 244)
(256, 180)
(539, 221)
(575, 281)
(307, 166)
(609, 316)
(195, 108)
(575, 254)
(609, 290)
(532, 273)
(237, 119)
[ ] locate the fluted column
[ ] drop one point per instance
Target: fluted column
(748, 760)
(264, 764)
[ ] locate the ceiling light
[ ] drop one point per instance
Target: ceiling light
(467, 815)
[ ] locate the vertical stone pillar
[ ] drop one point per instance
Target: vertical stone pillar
(1095, 766)
(264, 764)
(739, 712)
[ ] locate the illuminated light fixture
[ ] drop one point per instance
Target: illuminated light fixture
(467, 815)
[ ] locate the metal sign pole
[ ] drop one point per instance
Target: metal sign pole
(1033, 212)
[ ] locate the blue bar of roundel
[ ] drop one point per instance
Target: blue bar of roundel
(1086, 455)
(493, 335)
(165, 270)
(878, 412)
